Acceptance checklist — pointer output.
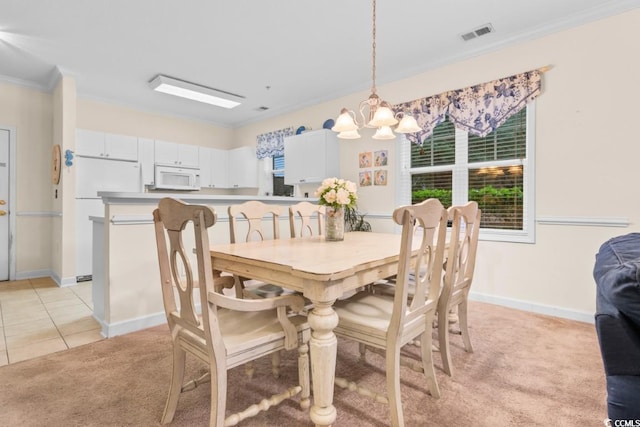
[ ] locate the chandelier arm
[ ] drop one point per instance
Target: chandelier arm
(363, 105)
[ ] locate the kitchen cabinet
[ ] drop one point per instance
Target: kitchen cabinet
(106, 145)
(214, 170)
(243, 168)
(171, 153)
(310, 157)
(146, 157)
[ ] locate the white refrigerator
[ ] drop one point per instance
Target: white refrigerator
(93, 175)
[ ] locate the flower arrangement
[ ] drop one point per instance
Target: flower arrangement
(337, 193)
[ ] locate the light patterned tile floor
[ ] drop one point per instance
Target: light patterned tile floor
(37, 317)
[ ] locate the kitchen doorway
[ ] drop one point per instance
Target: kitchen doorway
(7, 215)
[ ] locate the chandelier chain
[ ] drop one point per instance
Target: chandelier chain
(373, 50)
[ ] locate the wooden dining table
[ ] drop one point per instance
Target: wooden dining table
(323, 271)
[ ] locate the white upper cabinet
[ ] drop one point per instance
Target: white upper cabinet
(311, 157)
(204, 162)
(147, 160)
(243, 168)
(171, 153)
(220, 168)
(214, 168)
(106, 145)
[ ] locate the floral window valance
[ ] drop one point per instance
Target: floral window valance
(271, 144)
(478, 109)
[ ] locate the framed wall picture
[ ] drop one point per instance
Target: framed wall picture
(381, 158)
(365, 179)
(380, 177)
(364, 159)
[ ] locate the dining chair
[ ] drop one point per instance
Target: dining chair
(460, 265)
(452, 304)
(254, 212)
(226, 332)
(305, 213)
(385, 323)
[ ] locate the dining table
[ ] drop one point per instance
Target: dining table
(322, 271)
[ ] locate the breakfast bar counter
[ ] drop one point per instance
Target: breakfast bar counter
(126, 278)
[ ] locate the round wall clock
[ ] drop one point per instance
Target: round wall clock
(56, 160)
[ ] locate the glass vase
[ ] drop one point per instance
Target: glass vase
(334, 224)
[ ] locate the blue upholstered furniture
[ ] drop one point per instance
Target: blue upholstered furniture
(617, 275)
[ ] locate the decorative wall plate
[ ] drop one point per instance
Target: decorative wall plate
(56, 163)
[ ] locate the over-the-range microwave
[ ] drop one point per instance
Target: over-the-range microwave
(176, 178)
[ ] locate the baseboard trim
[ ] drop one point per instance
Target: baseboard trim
(534, 308)
(110, 330)
(103, 326)
(68, 281)
(36, 274)
(64, 281)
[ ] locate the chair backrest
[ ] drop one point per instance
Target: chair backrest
(427, 222)
(463, 246)
(176, 272)
(304, 213)
(254, 212)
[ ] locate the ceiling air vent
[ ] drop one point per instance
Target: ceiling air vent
(263, 108)
(485, 29)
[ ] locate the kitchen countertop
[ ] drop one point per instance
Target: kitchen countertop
(112, 197)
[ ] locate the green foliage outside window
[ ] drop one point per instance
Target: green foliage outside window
(494, 202)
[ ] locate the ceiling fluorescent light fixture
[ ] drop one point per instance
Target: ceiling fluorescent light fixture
(195, 92)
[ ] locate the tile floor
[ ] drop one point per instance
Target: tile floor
(37, 317)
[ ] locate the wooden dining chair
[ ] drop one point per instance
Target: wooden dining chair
(460, 265)
(254, 212)
(228, 331)
(305, 214)
(385, 323)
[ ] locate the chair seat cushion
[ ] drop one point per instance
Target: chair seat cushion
(366, 318)
(363, 309)
(242, 331)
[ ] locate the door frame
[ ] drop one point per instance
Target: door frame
(12, 199)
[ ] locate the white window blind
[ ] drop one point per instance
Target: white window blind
(279, 187)
(496, 171)
(278, 166)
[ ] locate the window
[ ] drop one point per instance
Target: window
(279, 188)
(496, 171)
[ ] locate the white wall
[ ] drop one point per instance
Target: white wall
(63, 227)
(110, 118)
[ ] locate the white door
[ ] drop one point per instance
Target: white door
(4, 204)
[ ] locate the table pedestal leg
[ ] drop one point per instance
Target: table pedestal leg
(323, 347)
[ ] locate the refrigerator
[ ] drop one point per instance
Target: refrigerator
(94, 175)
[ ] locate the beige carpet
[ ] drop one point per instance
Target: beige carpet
(527, 370)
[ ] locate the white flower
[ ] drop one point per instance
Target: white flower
(330, 196)
(328, 182)
(342, 196)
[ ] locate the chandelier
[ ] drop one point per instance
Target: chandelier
(374, 112)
